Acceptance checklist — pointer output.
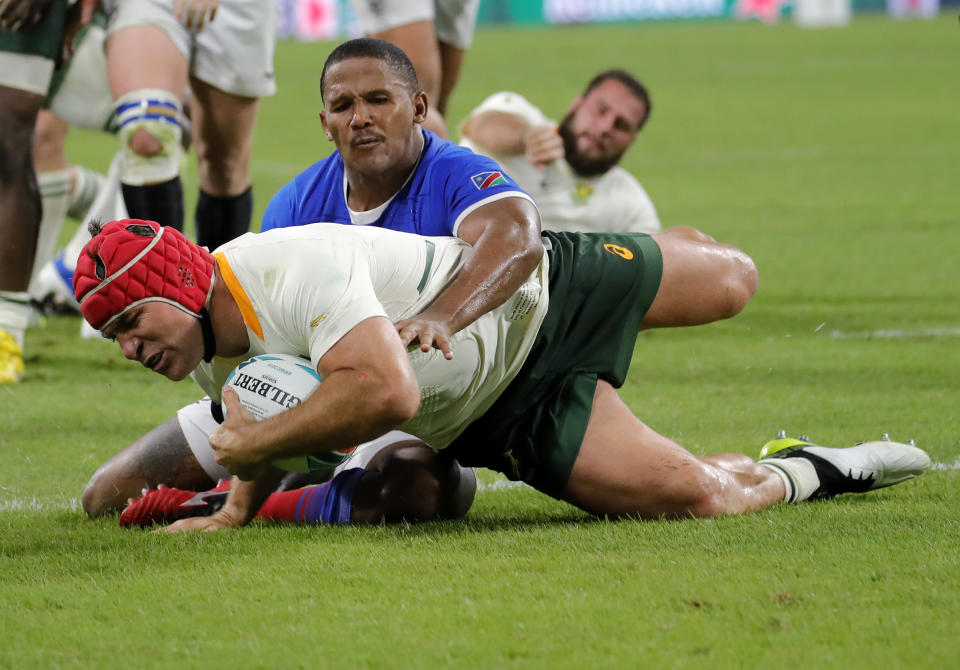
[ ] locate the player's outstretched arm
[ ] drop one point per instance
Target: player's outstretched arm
(498, 133)
(243, 502)
(506, 239)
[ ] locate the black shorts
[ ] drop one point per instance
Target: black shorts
(601, 286)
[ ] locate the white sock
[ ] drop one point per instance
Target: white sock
(798, 474)
(55, 194)
(108, 206)
(14, 313)
(86, 185)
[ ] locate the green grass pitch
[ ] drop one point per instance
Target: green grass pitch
(830, 156)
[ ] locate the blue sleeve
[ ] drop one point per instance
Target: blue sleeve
(281, 210)
(470, 180)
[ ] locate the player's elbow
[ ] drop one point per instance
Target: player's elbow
(399, 400)
(741, 282)
(529, 243)
(104, 494)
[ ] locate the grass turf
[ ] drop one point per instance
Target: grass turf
(829, 157)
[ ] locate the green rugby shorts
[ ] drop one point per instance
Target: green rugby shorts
(601, 286)
(43, 39)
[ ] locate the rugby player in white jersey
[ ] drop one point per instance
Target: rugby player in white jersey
(224, 52)
(525, 387)
(79, 97)
(572, 169)
(387, 171)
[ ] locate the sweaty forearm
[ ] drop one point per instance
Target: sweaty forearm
(352, 411)
(500, 264)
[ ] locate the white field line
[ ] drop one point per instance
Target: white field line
(37, 505)
(73, 504)
(946, 466)
(893, 334)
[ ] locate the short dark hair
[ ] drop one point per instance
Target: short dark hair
(368, 47)
(633, 85)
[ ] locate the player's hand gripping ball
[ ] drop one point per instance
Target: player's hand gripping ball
(273, 383)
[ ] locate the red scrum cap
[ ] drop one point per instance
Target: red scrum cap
(130, 262)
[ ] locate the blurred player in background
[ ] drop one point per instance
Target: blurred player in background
(79, 97)
(435, 34)
(572, 168)
(35, 36)
(224, 51)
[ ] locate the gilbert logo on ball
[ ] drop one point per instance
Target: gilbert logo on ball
(270, 384)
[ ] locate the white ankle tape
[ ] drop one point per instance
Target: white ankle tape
(798, 474)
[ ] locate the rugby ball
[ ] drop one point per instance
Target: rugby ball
(270, 384)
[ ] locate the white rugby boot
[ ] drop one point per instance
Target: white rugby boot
(816, 472)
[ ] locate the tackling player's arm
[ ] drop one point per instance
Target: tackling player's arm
(505, 236)
(500, 133)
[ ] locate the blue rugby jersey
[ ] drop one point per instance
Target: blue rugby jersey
(448, 183)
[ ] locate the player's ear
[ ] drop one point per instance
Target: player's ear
(323, 122)
(420, 105)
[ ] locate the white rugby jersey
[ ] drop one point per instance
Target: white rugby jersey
(613, 202)
(301, 289)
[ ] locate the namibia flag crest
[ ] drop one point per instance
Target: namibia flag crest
(488, 179)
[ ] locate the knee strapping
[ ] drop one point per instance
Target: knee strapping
(158, 112)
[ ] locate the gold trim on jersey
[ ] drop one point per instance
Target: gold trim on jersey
(239, 295)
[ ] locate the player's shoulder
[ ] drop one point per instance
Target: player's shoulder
(510, 102)
(301, 199)
(445, 157)
(323, 172)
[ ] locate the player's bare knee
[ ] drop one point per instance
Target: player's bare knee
(150, 133)
(49, 134)
(223, 175)
(103, 493)
(143, 143)
(738, 283)
(92, 500)
(700, 494)
(689, 233)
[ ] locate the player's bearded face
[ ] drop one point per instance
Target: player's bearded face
(583, 155)
(600, 127)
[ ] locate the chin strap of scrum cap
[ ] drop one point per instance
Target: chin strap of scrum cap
(209, 341)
